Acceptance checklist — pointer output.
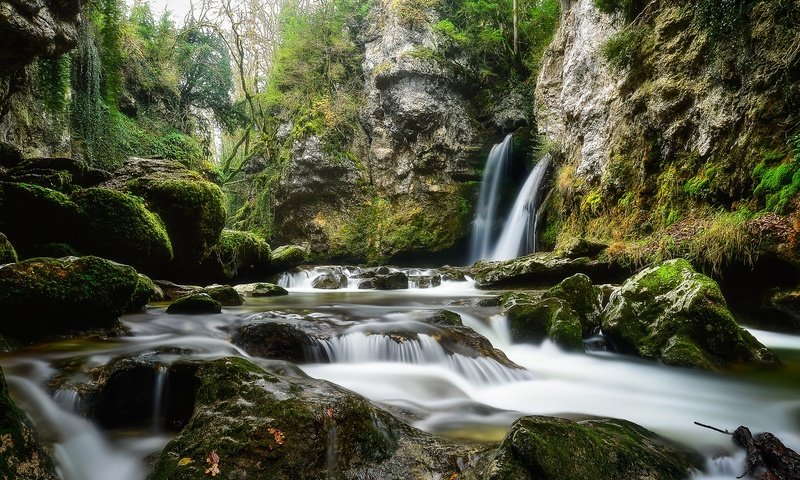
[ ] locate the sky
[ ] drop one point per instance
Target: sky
(179, 8)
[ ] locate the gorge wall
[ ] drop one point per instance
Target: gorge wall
(666, 112)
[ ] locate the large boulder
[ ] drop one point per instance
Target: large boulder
(672, 313)
(287, 257)
(191, 207)
(237, 253)
(195, 304)
(582, 296)
(262, 425)
(30, 214)
(117, 226)
(391, 281)
(261, 289)
(43, 297)
(547, 448)
(7, 252)
(533, 319)
(22, 454)
(329, 281)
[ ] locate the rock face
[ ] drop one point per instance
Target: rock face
(46, 296)
(7, 252)
(576, 94)
(676, 315)
(547, 448)
(22, 454)
(32, 28)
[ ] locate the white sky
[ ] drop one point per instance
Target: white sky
(179, 8)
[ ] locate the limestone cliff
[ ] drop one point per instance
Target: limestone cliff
(667, 110)
(405, 185)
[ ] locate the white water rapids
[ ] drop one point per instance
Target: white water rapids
(449, 394)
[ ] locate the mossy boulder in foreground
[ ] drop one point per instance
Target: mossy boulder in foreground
(30, 214)
(547, 448)
(264, 425)
(674, 314)
(22, 457)
(47, 296)
(117, 226)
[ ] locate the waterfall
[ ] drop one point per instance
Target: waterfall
(488, 204)
(158, 397)
(424, 350)
(519, 232)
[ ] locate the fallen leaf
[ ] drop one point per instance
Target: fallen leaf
(213, 470)
(277, 435)
(454, 476)
(185, 461)
(212, 457)
(329, 412)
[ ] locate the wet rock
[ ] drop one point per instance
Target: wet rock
(543, 269)
(329, 281)
(287, 257)
(237, 253)
(22, 454)
(426, 281)
(226, 295)
(368, 284)
(191, 208)
(391, 281)
(533, 319)
(7, 252)
(278, 340)
(261, 289)
(782, 306)
(265, 425)
(195, 303)
(382, 270)
(582, 296)
(547, 448)
(173, 291)
(672, 313)
(117, 226)
(46, 296)
(452, 274)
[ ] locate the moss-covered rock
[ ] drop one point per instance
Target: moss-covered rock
(547, 448)
(290, 341)
(21, 454)
(237, 253)
(191, 208)
(195, 303)
(261, 289)
(145, 292)
(7, 252)
(533, 319)
(224, 294)
(543, 269)
(391, 281)
(582, 296)
(329, 281)
(43, 297)
(672, 313)
(30, 214)
(263, 425)
(117, 226)
(287, 257)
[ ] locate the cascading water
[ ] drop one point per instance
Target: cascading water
(519, 232)
(488, 200)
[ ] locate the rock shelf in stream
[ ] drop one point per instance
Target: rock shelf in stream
(362, 278)
(436, 338)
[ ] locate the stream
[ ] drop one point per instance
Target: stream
(450, 395)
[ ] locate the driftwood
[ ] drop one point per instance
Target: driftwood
(767, 457)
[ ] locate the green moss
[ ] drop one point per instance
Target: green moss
(622, 50)
(33, 214)
(238, 251)
(117, 226)
(533, 320)
(54, 250)
(778, 183)
(195, 303)
(70, 294)
(144, 292)
(549, 448)
(287, 257)
(582, 296)
(191, 208)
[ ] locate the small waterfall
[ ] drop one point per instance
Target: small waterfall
(424, 350)
(158, 397)
(488, 200)
(519, 232)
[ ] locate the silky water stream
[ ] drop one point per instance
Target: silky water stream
(449, 394)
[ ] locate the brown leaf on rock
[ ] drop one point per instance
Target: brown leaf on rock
(277, 435)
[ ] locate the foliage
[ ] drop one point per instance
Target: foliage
(778, 183)
(52, 81)
(483, 29)
(724, 16)
(629, 9)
